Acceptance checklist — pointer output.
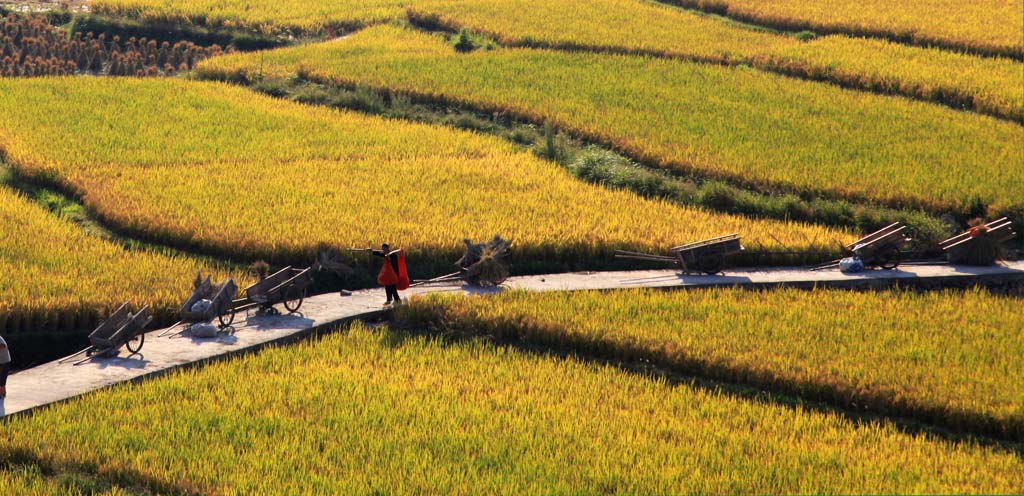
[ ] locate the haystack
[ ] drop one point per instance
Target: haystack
(486, 264)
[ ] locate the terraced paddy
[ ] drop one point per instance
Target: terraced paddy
(177, 166)
(266, 17)
(942, 357)
(750, 127)
(574, 129)
(987, 26)
(988, 85)
(379, 410)
(58, 278)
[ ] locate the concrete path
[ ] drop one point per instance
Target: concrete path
(53, 382)
(928, 275)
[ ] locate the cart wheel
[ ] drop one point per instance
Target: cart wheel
(709, 265)
(226, 319)
(293, 299)
(135, 344)
(890, 261)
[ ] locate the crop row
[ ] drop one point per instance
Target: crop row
(988, 85)
(745, 125)
(985, 26)
(234, 172)
(379, 411)
(943, 357)
(57, 278)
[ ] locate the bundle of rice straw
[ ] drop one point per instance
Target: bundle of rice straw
(485, 263)
(982, 250)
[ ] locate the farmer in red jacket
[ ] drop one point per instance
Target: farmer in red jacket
(393, 275)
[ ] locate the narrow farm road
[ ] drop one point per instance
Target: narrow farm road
(54, 382)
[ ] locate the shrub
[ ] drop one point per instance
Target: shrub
(463, 42)
(717, 195)
(523, 134)
(805, 35)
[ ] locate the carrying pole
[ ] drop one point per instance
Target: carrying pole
(69, 357)
(447, 277)
(168, 330)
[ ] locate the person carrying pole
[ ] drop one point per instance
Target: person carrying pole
(393, 275)
(5, 366)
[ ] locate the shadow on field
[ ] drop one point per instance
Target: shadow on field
(81, 477)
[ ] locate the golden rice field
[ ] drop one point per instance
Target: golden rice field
(33, 480)
(57, 277)
(945, 357)
(738, 123)
(629, 25)
(378, 411)
(235, 172)
(989, 85)
(703, 391)
(264, 16)
(989, 26)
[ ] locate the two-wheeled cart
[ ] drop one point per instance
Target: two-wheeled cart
(882, 249)
(287, 286)
(706, 256)
(218, 305)
(979, 245)
(122, 328)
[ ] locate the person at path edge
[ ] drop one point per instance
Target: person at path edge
(393, 275)
(5, 366)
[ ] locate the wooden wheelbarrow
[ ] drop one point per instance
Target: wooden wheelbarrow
(881, 249)
(220, 305)
(287, 286)
(122, 328)
(706, 256)
(979, 245)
